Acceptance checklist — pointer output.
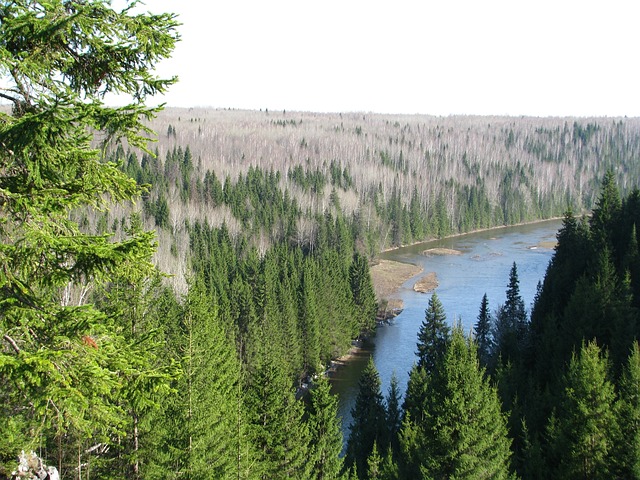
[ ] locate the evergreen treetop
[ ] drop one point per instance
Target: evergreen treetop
(482, 331)
(433, 335)
(369, 417)
(463, 430)
(511, 327)
(584, 428)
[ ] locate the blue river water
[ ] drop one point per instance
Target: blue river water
(482, 267)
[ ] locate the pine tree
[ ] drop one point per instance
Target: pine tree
(326, 435)
(368, 425)
(583, 431)
(433, 335)
(62, 365)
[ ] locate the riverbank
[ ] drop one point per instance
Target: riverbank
(470, 232)
(387, 277)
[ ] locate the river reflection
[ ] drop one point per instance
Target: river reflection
(482, 268)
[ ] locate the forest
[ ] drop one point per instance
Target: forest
(272, 176)
(394, 179)
(169, 309)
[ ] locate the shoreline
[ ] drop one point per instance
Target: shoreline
(385, 293)
(479, 230)
(388, 276)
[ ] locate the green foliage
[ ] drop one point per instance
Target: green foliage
(374, 464)
(416, 395)
(606, 214)
(583, 431)
(276, 427)
(92, 345)
(364, 298)
(308, 321)
(462, 430)
(511, 326)
(563, 408)
(627, 446)
(393, 413)
(482, 332)
(211, 390)
(433, 335)
(66, 367)
(326, 435)
(368, 426)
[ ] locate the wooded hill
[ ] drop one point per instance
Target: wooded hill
(396, 179)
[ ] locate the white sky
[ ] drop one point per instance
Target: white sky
(441, 57)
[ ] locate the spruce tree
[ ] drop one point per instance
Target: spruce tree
(482, 332)
(393, 412)
(511, 327)
(326, 435)
(465, 429)
(279, 436)
(364, 296)
(215, 417)
(412, 446)
(417, 389)
(148, 313)
(433, 335)
(389, 468)
(631, 263)
(308, 318)
(62, 365)
(605, 218)
(374, 464)
(600, 308)
(368, 425)
(583, 430)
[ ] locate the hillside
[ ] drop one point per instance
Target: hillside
(397, 179)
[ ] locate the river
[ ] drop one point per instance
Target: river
(483, 267)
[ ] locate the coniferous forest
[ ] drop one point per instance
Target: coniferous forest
(169, 309)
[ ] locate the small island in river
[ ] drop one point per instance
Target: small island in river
(426, 284)
(441, 251)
